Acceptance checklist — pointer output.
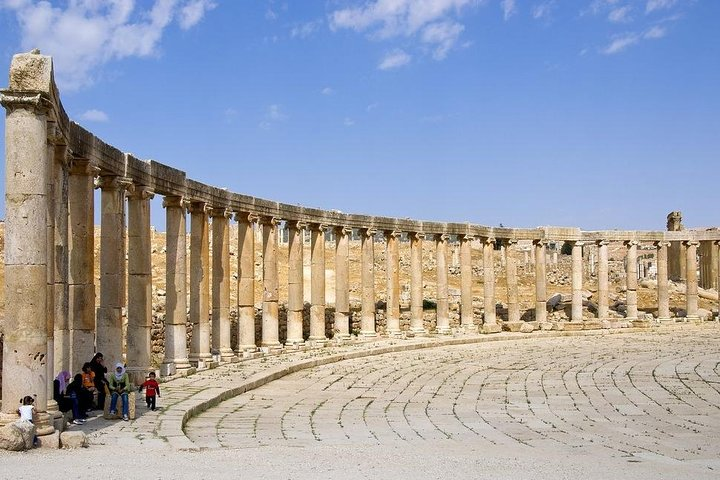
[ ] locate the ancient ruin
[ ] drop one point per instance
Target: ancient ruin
(53, 321)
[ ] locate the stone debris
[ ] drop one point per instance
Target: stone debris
(17, 436)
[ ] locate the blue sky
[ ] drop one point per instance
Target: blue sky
(590, 113)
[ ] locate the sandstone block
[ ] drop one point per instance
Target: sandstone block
(17, 436)
(49, 441)
(73, 439)
(527, 328)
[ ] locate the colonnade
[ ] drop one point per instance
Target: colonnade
(52, 322)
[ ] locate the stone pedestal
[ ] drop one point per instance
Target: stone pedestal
(367, 318)
(392, 268)
(221, 279)
(246, 282)
(199, 284)
(416, 284)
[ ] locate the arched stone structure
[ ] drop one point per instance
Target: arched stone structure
(50, 301)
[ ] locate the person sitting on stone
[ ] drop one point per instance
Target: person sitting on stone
(66, 402)
(76, 391)
(88, 381)
(99, 369)
(120, 386)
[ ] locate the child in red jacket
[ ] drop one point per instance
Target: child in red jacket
(152, 389)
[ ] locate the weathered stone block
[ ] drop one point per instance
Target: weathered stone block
(527, 327)
(17, 436)
(51, 441)
(73, 439)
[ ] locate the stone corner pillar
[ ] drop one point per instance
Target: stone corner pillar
(367, 318)
(342, 281)
(490, 324)
(417, 322)
(317, 283)
(467, 314)
(296, 303)
(199, 283)
(442, 324)
(221, 279)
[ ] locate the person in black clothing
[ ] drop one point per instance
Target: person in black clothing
(98, 366)
(75, 389)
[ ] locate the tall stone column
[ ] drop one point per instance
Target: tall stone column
(25, 368)
(631, 298)
(540, 281)
(139, 310)
(416, 284)
(295, 283)
(270, 323)
(691, 296)
(577, 280)
(342, 281)
(490, 324)
(81, 272)
(176, 357)
(717, 244)
(50, 214)
(317, 282)
(61, 246)
(246, 282)
(367, 318)
(221, 283)
(109, 337)
(443, 305)
(662, 281)
(467, 317)
(199, 283)
(512, 283)
(603, 283)
(392, 269)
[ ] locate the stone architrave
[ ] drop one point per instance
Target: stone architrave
(81, 271)
(392, 269)
(577, 280)
(342, 281)
(511, 279)
(367, 317)
(631, 276)
(25, 367)
(199, 283)
(603, 310)
(221, 279)
(467, 316)
(317, 282)
(540, 281)
(139, 309)
(691, 266)
(176, 356)
(296, 303)
(246, 281)
(662, 281)
(61, 247)
(109, 337)
(443, 305)
(416, 284)
(270, 323)
(490, 324)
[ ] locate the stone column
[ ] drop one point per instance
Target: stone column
(221, 283)
(81, 272)
(367, 319)
(512, 284)
(295, 283)
(717, 244)
(199, 284)
(342, 281)
(631, 298)
(139, 310)
(691, 266)
(317, 282)
(490, 324)
(270, 323)
(662, 281)
(176, 357)
(25, 369)
(467, 317)
(61, 246)
(109, 337)
(246, 282)
(603, 282)
(392, 269)
(416, 284)
(443, 306)
(50, 215)
(577, 280)
(540, 281)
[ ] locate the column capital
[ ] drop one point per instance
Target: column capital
(269, 220)
(716, 242)
(488, 240)
(417, 235)
(442, 237)
(465, 237)
(246, 217)
(198, 207)
(661, 243)
(317, 227)
(601, 243)
(342, 230)
(35, 102)
(82, 166)
(217, 212)
(392, 233)
(689, 243)
(296, 225)
(509, 241)
(140, 192)
(174, 201)
(112, 182)
(631, 243)
(539, 241)
(367, 232)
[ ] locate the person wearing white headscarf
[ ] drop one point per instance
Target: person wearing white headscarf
(120, 386)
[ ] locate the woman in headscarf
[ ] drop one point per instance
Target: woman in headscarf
(98, 367)
(65, 400)
(120, 386)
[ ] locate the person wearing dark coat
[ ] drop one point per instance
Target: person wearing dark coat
(98, 366)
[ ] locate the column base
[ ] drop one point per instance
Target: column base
(342, 336)
(418, 331)
(665, 319)
(637, 323)
(294, 342)
(394, 333)
(368, 334)
(204, 358)
(573, 326)
(138, 374)
(444, 330)
(227, 354)
(491, 328)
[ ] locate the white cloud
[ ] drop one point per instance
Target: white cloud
(306, 29)
(372, 107)
(435, 21)
(620, 15)
(655, 32)
(543, 10)
(653, 5)
(620, 43)
(348, 122)
(94, 115)
(327, 91)
(509, 8)
(83, 35)
(394, 59)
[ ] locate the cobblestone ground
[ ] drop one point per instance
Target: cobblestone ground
(642, 397)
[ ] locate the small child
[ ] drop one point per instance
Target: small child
(152, 389)
(27, 413)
